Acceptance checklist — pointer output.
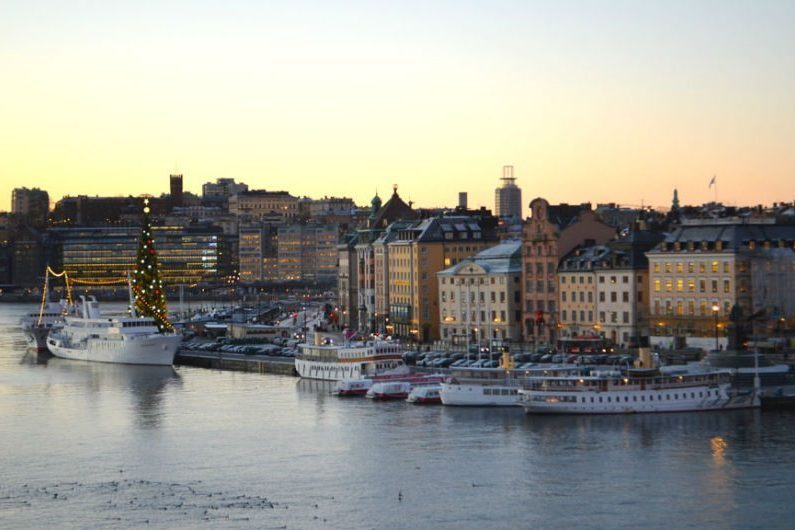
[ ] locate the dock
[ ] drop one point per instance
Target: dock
(261, 364)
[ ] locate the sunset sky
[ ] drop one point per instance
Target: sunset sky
(590, 101)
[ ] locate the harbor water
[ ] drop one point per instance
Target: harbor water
(87, 445)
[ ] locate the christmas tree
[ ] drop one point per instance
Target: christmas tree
(150, 300)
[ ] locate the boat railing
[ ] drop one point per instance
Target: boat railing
(607, 385)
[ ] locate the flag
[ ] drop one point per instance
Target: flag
(712, 182)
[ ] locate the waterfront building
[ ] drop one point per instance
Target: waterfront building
(308, 253)
(551, 232)
(258, 253)
(480, 298)
(604, 289)
(381, 216)
(348, 282)
(577, 286)
(381, 273)
(102, 211)
(31, 205)
(705, 267)
(262, 205)
(416, 254)
(508, 197)
(187, 255)
(622, 288)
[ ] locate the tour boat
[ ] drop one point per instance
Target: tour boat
(91, 336)
(331, 358)
(425, 394)
(634, 390)
(36, 326)
(491, 387)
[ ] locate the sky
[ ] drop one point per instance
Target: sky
(618, 101)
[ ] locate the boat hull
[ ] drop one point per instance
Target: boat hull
(36, 337)
(155, 351)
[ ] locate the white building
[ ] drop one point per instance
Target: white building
(480, 298)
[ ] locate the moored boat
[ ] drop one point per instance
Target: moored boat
(331, 358)
(425, 394)
(91, 336)
(36, 326)
(634, 391)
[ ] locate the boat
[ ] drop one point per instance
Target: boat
(88, 335)
(389, 390)
(352, 387)
(492, 387)
(330, 357)
(425, 394)
(634, 390)
(400, 388)
(36, 326)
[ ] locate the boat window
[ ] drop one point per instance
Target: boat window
(626, 398)
(591, 399)
(693, 395)
(600, 399)
(676, 396)
(643, 398)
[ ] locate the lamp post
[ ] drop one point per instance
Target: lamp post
(715, 309)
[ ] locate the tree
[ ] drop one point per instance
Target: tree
(150, 300)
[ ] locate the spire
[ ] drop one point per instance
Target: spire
(675, 202)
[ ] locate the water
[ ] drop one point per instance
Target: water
(87, 445)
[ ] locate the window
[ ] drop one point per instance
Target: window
(714, 286)
(563, 296)
(657, 286)
(726, 286)
(625, 296)
(656, 267)
(679, 267)
(680, 285)
(590, 297)
(669, 285)
(691, 286)
(602, 317)
(625, 279)
(625, 317)
(614, 296)
(726, 267)
(601, 296)
(714, 266)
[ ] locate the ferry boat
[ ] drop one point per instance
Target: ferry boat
(36, 326)
(91, 336)
(492, 387)
(634, 390)
(425, 394)
(331, 358)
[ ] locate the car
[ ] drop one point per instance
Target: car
(459, 363)
(546, 358)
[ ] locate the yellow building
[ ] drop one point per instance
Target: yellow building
(416, 254)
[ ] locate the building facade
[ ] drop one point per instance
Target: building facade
(308, 253)
(480, 298)
(258, 253)
(32, 205)
(551, 232)
(261, 205)
(415, 256)
(707, 266)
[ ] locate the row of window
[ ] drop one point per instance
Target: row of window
(496, 316)
(691, 285)
(680, 307)
(679, 266)
(481, 296)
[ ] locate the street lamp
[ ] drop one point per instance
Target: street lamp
(715, 309)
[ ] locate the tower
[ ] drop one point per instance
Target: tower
(176, 190)
(508, 197)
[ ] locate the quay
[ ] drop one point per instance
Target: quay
(261, 364)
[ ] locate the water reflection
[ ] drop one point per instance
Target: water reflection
(146, 385)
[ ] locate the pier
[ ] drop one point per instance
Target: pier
(261, 364)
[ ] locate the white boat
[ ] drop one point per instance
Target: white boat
(401, 388)
(352, 387)
(90, 336)
(425, 394)
(632, 391)
(491, 387)
(389, 390)
(331, 358)
(36, 326)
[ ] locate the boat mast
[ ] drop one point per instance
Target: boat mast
(44, 295)
(132, 296)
